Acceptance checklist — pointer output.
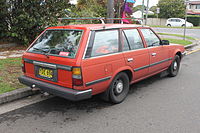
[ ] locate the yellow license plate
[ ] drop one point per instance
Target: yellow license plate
(45, 72)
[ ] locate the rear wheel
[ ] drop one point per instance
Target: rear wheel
(119, 88)
(174, 67)
(169, 25)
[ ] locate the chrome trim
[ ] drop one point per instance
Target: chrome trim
(87, 45)
(122, 52)
(44, 65)
(130, 59)
(153, 54)
(63, 67)
(50, 65)
(85, 91)
(97, 81)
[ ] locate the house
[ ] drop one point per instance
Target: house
(138, 14)
(194, 8)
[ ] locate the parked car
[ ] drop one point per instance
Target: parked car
(78, 61)
(178, 22)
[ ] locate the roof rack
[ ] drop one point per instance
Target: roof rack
(102, 19)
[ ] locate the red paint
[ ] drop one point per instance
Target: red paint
(103, 66)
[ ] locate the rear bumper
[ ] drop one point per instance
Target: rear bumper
(67, 93)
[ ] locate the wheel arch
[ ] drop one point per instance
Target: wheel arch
(179, 54)
(126, 70)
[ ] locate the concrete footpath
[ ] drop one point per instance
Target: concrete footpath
(25, 92)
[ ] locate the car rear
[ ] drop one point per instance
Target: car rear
(52, 63)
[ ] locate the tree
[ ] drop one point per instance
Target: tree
(3, 19)
(138, 7)
(27, 18)
(171, 8)
(91, 8)
(153, 9)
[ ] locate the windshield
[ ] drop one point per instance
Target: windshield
(58, 42)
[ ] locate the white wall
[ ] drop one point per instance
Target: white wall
(156, 21)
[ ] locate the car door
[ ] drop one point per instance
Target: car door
(159, 54)
(178, 23)
(102, 59)
(172, 22)
(135, 53)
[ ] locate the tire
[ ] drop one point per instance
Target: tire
(183, 25)
(119, 88)
(169, 25)
(174, 67)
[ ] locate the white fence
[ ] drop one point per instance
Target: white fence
(156, 21)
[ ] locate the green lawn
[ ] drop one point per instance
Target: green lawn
(177, 35)
(10, 70)
(178, 41)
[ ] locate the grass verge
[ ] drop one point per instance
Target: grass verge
(177, 35)
(160, 26)
(10, 70)
(178, 41)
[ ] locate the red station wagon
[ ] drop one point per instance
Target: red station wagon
(78, 61)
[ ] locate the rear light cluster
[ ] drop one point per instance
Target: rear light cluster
(77, 76)
(23, 66)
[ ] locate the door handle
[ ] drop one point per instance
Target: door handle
(130, 59)
(153, 54)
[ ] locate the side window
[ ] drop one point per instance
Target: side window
(150, 38)
(133, 39)
(125, 43)
(105, 42)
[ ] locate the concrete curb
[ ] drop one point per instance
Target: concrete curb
(192, 45)
(16, 94)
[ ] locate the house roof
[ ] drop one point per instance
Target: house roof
(194, 2)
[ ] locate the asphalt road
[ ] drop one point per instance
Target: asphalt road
(155, 105)
(189, 32)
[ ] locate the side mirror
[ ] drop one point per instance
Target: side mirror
(164, 42)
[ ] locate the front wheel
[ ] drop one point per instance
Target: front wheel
(119, 88)
(174, 67)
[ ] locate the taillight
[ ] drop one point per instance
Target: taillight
(77, 76)
(23, 66)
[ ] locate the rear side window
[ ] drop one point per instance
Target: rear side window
(58, 42)
(150, 38)
(105, 42)
(133, 39)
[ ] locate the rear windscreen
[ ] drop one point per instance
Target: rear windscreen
(58, 42)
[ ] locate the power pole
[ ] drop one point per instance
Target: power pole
(147, 12)
(110, 10)
(142, 12)
(186, 4)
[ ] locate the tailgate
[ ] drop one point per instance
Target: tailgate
(55, 70)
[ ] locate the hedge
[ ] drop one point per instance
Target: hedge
(194, 19)
(23, 20)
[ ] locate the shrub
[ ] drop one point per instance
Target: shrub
(28, 18)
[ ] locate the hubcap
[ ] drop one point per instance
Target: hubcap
(175, 65)
(119, 87)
